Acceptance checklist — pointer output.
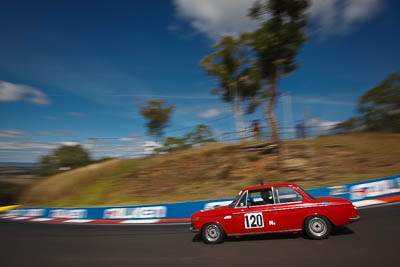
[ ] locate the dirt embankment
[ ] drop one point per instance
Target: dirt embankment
(219, 171)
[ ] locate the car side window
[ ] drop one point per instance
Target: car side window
(260, 197)
(287, 194)
(243, 201)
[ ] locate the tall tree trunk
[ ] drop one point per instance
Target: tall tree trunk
(270, 110)
(270, 113)
(237, 114)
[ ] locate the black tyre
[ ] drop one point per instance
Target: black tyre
(212, 233)
(317, 227)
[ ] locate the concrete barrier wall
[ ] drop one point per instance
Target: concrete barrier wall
(360, 193)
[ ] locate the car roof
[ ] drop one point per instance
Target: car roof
(270, 185)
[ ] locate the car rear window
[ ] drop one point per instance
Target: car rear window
(287, 194)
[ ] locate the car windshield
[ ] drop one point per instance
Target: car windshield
(234, 201)
(306, 193)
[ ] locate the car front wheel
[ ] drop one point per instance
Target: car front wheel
(317, 227)
(212, 233)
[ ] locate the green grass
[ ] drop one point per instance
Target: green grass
(219, 171)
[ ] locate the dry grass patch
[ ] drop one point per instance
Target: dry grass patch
(219, 171)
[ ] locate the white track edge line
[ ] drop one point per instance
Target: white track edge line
(380, 205)
(140, 221)
(20, 218)
(368, 202)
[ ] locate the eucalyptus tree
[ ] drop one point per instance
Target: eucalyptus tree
(275, 44)
(157, 115)
(200, 135)
(231, 67)
(380, 106)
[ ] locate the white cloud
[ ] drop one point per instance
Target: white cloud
(24, 151)
(31, 150)
(126, 139)
(324, 12)
(150, 146)
(359, 10)
(10, 133)
(27, 146)
(210, 113)
(125, 147)
(15, 92)
(68, 143)
(321, 124)
(327, 125)
(338, 16)
(216, 18)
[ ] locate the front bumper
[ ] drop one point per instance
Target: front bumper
(193, 230)
(355, 219)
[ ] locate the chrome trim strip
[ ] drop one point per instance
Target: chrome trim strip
(290, 208)
(268, 232)
(295, 202)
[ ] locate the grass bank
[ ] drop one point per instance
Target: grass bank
(219, 171)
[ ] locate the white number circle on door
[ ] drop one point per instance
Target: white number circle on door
(253, 220)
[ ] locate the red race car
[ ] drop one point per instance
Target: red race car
(274, 209)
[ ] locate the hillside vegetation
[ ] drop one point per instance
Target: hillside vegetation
(219, 171)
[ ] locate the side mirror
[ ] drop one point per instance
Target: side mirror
(248, 205)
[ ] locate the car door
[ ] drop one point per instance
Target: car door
(249, 218)
(290, 208)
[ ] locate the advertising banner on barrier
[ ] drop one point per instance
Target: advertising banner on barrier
(355, 192)
(161, 211)
(366, 190)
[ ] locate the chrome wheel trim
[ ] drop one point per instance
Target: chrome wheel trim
(317, 227)
(212, 233)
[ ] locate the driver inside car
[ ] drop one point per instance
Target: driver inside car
(260, 198)
(267, 197)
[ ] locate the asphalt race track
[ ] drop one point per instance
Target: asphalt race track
(373, 241)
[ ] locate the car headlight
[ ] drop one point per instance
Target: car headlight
(195, 218)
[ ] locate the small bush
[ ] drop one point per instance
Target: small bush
(64, 156)
(225, 171)
(253, 157)
(9, 193)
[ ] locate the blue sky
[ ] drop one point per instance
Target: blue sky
(74, 70)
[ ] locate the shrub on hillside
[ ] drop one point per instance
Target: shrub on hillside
(63, 158)
(9, 193)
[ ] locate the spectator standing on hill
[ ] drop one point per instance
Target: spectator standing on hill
(255, 129)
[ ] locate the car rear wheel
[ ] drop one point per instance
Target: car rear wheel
(317, 227)
(212, 233)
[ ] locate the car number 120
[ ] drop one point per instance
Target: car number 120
(253, 220)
